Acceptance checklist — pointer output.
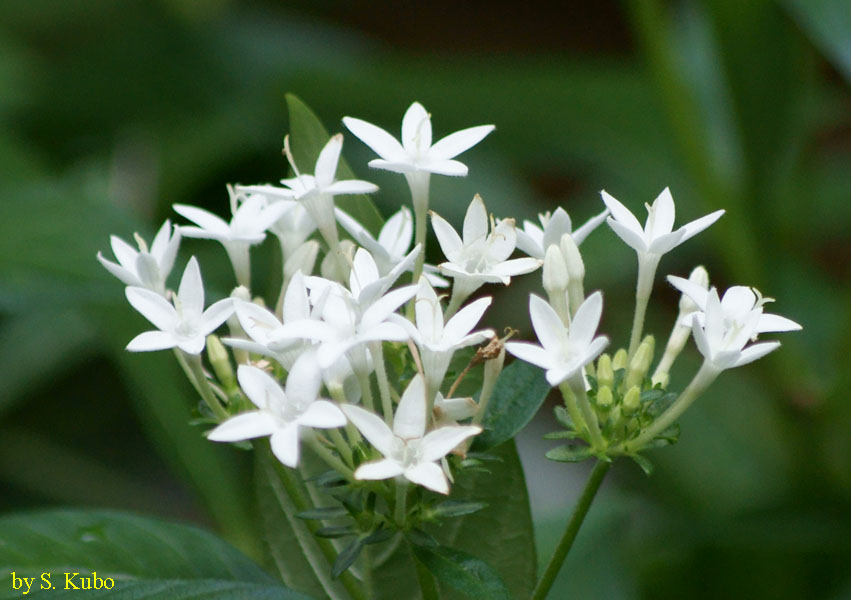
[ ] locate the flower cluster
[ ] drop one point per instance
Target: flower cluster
(370, 317)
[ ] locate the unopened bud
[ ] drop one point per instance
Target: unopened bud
(661, 379)
(640, 363)
(572, 258)
(302, 259)
(632, 401)
(605, 373)
(604, 397)
(620, 359)
(217, 354)
(555, 271)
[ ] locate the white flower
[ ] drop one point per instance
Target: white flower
(185, 324)
(250, 221)
(657, 236)
(145, 268)
(294, 226)
(392, 244)
(408, 450)
(480, 257)
(534, 240)
(438, 342)
(562, 352)
(722, 327)
(416, 152)
(281, 413)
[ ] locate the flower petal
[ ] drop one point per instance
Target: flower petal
(590, 225)
(755, 351)
(663, 214)
(429, 313)
(621, 214)
(769, 322)
(548, 325)
(531, 353)
(303, 380)
(372, 427)
(126, 277)
(397, 232)
(350, 186)
(215, 315)
(428, 475)
(153, 307)
(204, 219)
(152, 340)
(455, 143)
(584, 325)
(381, 142)
(191, 290)
(416, 129)
(124, 253)
(450, 242)
(284, 444)
(322, 415)
(409, 421)
(379, 469)
(695, 291)
(395, 166)
(465, 319)
(263, 390)
(630, 237)
(475, 222)
(450, 168)
(326, 164)
(245, 426)
(441, 442)
(695, 227)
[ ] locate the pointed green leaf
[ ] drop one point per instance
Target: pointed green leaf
(463, 572)
(569, 453)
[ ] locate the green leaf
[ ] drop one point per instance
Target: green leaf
(519, 393)
(321, 513)
(569, 453)
(307, 138)
(141, 554)
(451, 508)
(347, 557)
(469, 575)
(645, 463)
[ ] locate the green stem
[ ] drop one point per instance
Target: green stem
(342, 446)
(366, 389)
(576, 519)
(383, 382)
(301, 502)
(332, 461)
(191, 364)
(572, 408)
(577, 386)
(401, 499)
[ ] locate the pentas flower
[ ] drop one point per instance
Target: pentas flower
(416, 152)
(144, 268)
(738, 305)
(657, 236)
(437, 341)
(480, 256)
(294, 226)
(408, 450)
(281, 414)
(248, 227)
(185, 324)
(534, 240)
(392, 244)
(563, 352)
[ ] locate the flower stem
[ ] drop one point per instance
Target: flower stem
(577, 386)
(331, 460)
(191, 364)
(342, 446)
(576, 519)
(366, 389)
(646, 271)
(401, 499)
(419, 184)
(572, 408)
(704, 377)
(383, 382)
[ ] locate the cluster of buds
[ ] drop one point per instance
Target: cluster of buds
(310, 360)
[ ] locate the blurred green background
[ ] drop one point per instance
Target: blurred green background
(112, 110)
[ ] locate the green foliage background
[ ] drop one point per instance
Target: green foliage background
(112, 110)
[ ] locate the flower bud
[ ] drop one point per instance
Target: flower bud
(640, 363)
(302, 259)
(632, 401)
(605, 373)
(604, 397)
(620, 359)
(572, 258)
(555, 271)
(217, 354)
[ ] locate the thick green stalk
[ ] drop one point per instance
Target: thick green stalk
(569, 535)
(191, 364)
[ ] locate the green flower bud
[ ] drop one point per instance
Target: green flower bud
(640, 363)
(605, 373)
(555, 271)
(620, 359)
(632, 401)
(604, 397)
(217, 354)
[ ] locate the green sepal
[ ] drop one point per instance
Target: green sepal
(569, 453)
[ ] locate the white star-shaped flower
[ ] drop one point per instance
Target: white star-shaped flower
(408, 450)
(534, 240)
(145, 268)
(392, 244)
(437, 341)
(480, 257)
(416, 152)
(563, 352)
(657, 236)
(185, 324)
(281, 414)
(248, 227)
